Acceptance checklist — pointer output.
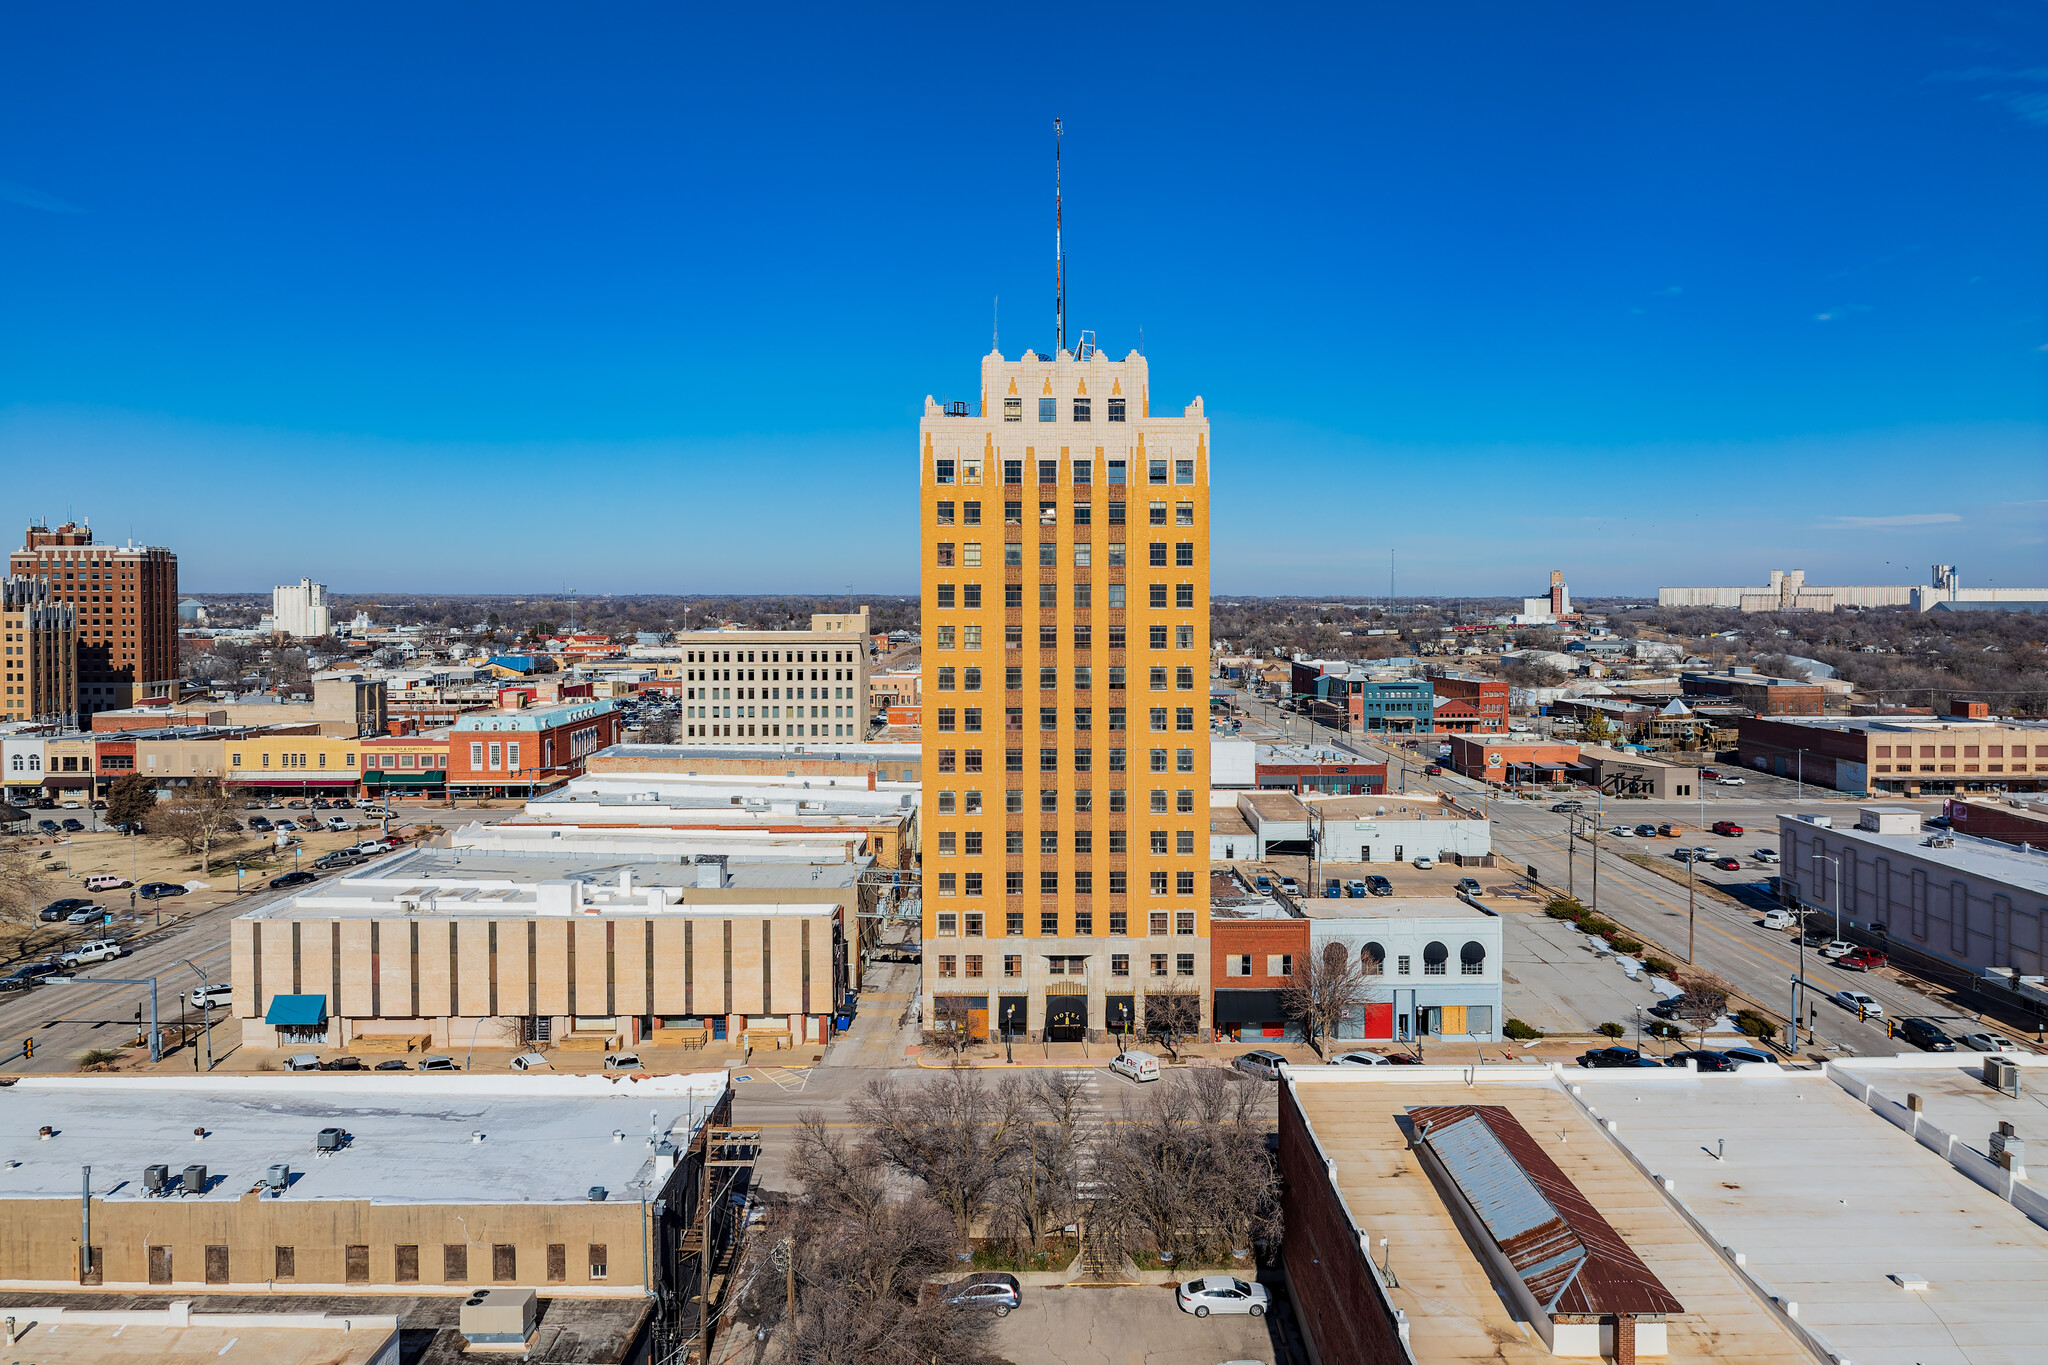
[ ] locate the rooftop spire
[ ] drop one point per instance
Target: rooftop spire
(1059, 254)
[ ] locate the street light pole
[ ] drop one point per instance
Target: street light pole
(205, 1012)
(1824, 858)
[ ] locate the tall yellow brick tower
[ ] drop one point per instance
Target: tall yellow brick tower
(1065, 566)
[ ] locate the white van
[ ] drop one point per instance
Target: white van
(1779, 919)
(107, 881)
(528, 1061)
(1139, 1066)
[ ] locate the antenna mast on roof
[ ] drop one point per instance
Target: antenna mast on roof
(1059, 254)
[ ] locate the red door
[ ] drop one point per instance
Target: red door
(1379, 1020)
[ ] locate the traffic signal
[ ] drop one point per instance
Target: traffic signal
(28, 1047)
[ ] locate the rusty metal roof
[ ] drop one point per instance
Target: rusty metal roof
(1570, 1258)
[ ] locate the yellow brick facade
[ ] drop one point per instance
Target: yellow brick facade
(1065, 571)
(318, 760)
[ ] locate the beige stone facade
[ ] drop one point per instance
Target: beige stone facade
(776, 686)
(41, 663)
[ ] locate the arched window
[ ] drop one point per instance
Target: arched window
(1433, 959)
(1472, 959)
(1372, 960)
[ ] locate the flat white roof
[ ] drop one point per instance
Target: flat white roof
(546, 1138)
(1986, 858)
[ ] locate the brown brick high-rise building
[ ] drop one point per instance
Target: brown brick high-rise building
(127, 602)
(1065, 561)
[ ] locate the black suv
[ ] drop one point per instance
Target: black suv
(22, 978)
(1926, 1035)
(1604, 1057)
(61, 910)
(1379, 886)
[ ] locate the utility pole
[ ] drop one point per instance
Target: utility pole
(1691, 880)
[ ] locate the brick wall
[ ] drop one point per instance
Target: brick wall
(1261, 938)
(1336, 1300)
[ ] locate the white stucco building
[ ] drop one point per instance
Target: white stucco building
(300, 610)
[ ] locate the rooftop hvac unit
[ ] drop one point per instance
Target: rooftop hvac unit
(277, 1176)
(598, 1194)
(156, 1179)
(194, 1181)
(329, 1140)
(2002, 1073)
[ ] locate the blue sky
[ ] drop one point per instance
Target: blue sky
(502, 298)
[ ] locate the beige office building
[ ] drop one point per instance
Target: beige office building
(775, 686)
(42, 653)
(1065, 567)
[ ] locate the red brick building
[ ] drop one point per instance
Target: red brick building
(1490, 759)
(1337, 779)
(1485, 703)
(1255, 944)
(127, 601)
(518, 750)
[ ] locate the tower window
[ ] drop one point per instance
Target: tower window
(1048, 409)
(1013, 410)
(1081, 406)
(1116, 409)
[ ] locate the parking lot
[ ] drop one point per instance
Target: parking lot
(1134, 1326)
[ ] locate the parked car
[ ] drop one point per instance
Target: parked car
(91, 914)
(218, 993)
(1601, 1058)
(375, 810)
(1379, 886)
(1779, 919)
(1139, 1066)
(342, 803)
(292, 879)
(623, 1061)
(1862, 960)
(338, 825)
(1470, 886)
(286, 826)
(1355, 889)
(1765, 855)
(1986, 1042)
(74, 827)
(1434, 770)
(49, 827)
(1221, 1294)
(1646, 831)
(1620, 831)
(302, 1061)
(534, 1061)
(85, 954)
(993, 1290)
(1670, 831)
(1261, 1063)
(340, 858)
(1728, 864)
(1727, 829)
(1703, 1061)
(392, 1064)
(1563, 806)
(1667, 1008)
(1425, 863)
(1361, 1059)
(1748, 1056)
(295, 805)
(60, 910)
(1836, 947)
(1263, 883)
(260, 825)
(1733, 782)
(438, 1064)
(1861, 1002)
(344, 1063)
(321, 803)
(1290, 886)
(1926, 1035)
(107, 881)
(1710, 775)
(155, 891)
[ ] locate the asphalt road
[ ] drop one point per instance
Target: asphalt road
(1727, 939)
(66, 1020)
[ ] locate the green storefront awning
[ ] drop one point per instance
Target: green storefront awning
(297, 1011)
(377, 777)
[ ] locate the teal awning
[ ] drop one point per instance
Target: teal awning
(297, 1011)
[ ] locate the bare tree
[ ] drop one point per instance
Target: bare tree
(947, 1027)
(22, 888)
(1173, 1012)
(659, 727)
(199, 820)
(1187, 1170)
(856, 1261)
(1705, 999)
(953, 1133)
(1041, 1186)
(1325, 988)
